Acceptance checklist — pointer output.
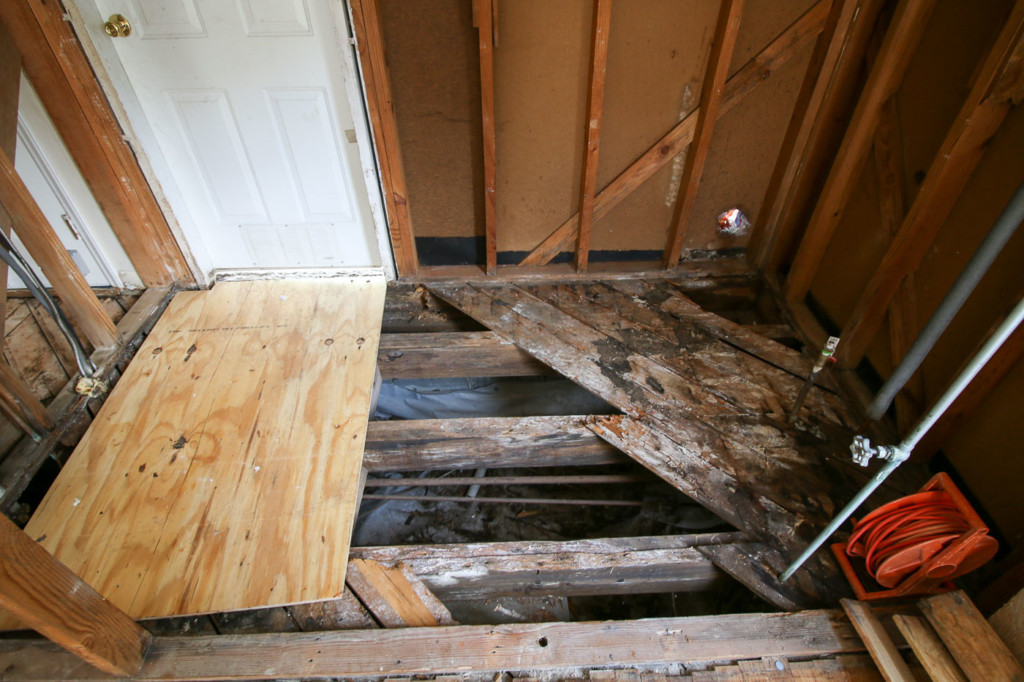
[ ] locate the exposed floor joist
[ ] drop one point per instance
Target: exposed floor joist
(431, 651)
(453, 354)
(641, 565)
(487, 442)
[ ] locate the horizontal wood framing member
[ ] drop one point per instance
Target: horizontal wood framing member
(453, 354)
(61, 74)
(491, 648)
(69, 409)
(487, 442)
(699, 272)
(637, 565)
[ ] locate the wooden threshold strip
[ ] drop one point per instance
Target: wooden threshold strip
(490, 648)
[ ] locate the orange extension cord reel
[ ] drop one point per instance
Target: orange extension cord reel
(916, 544)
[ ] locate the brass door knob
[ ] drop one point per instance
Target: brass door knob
(117, 26)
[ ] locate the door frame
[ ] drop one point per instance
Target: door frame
(113, 79)
(31, 125)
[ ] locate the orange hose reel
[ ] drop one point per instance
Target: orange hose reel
(916, 544)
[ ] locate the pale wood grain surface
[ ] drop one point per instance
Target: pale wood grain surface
(222, 472)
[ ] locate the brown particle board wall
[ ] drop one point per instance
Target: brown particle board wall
(540, 89)
(986, 451)
(657, 54)
(431, 48)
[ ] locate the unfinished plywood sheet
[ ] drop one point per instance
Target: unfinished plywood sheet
(223, 471)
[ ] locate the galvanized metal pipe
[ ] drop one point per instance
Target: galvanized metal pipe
(1004, 227)
(899, 454)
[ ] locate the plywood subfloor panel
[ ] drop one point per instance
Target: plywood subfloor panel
(222, 473)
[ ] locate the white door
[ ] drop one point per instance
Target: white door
(246, 100)
(48, 171)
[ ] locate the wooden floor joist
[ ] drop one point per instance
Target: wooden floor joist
(453, 354)
(484, 442)
(455, 650)
(638, 565)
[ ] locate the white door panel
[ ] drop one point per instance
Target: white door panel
(246, 100)
(55, 183)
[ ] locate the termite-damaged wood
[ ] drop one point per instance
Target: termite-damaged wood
(850, 668)
(431, 651)
(671, 299)
(638, 565)
(714, 445)
(781, 463)
(453, 354)
(758, 565)
(411, 308)
(487, 442)
(745, 382)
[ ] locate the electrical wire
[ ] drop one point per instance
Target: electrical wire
(10, 255)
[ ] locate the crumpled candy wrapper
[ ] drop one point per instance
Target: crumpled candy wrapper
(733, 223)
